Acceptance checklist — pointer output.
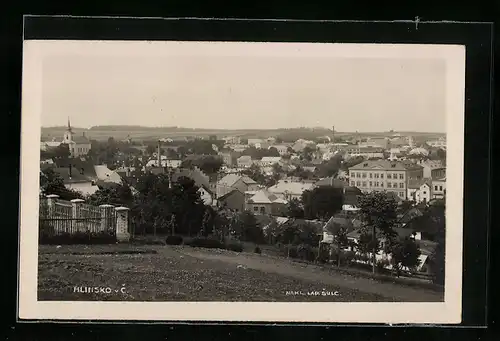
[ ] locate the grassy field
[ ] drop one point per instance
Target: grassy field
(181, 273)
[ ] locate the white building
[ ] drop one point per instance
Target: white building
(268, 161)
(287, 190)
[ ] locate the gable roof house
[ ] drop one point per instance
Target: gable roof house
(264, 202)
(233, 200)
(290, 189)
(235, 181)
(200, 179)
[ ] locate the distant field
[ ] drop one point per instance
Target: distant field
(156, 133)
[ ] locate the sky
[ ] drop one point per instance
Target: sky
(238, 91)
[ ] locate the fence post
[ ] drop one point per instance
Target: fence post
(122, 234)
(76, 203)
(51, 201)
(106, 216)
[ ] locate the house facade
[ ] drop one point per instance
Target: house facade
(439, 188)
(244, 161)
(366, 152)
(287, 190)
(265, 202)
(384, 175)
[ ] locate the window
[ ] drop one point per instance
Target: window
(395, 175)
(382, 175)
(376, 183)
(389, 176)
(262, 210)
(381, 184)
(364, 183)
(358, 183)
(371, 175)
(364, 175)
(401, 176)
(402, 194)
(395, 185)
(401, 185)
(353, 183)
(255, 208)
(440, 188)
(425, 192)
(435, 187)
(376, 175)
(370, 184)
(389, 185)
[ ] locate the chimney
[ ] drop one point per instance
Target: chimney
(70, 171)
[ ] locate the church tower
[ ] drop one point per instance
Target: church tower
(68, 134)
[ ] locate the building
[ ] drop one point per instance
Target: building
(288, 190)
(439, 143)
(430, 165)
(253, 142)
(282, 148)
(419, 151)
(235, 181)
(384, 175)
(237, 147)
(420, 191)
(164, 162)
(46, 145)
(233, 200)
(265, 202)
(366, 152)
(262, 145)
(268, 161)
(439, 188)
(244, 161)
(78, 145)
(229, 158)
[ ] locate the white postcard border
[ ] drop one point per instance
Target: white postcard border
(447, 312)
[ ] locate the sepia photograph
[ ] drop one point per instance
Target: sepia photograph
(230, 173)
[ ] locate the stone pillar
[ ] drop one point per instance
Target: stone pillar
(51, 202)
(122, 234)
(76, 225)
(106, 216)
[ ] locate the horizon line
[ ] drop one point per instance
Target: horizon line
(239, 129)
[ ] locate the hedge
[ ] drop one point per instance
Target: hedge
(174, 240)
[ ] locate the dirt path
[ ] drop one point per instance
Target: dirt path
(316, 274)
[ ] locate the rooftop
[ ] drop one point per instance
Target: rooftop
(385, 165)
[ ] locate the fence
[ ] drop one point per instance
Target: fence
(58, 217)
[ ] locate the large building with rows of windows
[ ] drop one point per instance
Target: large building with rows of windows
(384, 175)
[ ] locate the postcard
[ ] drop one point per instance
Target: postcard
(241, 181)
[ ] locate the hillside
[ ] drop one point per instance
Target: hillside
(148, 133)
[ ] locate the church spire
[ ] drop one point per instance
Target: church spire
(69, 125)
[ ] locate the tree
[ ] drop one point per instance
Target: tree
(116, 195)
(251, 231)
(187, 206)
(52, 183)
(307, 153)
(352, 162)
(322, 202)
(272, 231)
(378, 210)
(339, 233)
(208, 164)
(330, 167)
(406, 253)
(295, 209)
(151, 149)
(60, 152)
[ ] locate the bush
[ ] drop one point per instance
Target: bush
(174, 240)
(324, 255)
(348, 257)
(209, 243)
(234, 246)
(306, 252)
(103, 237)
(257, 250)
